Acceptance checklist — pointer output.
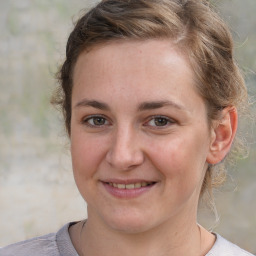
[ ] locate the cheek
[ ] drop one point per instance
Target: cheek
(87, 153)
(181, 159)
(182, 166)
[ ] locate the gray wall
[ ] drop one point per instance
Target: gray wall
(37, 192)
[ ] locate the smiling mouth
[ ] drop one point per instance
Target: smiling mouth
(128, 189)
(131, 186)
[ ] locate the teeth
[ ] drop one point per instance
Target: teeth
(130, 186)
(121, 185)
(143, 184)
(137, 185)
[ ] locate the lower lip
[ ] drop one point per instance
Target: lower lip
(127, 193)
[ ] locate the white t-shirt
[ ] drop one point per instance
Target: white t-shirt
(59, 244)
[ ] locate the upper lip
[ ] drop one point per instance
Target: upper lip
(127, 181)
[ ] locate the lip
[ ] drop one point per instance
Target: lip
(127, 181)
(127, 193)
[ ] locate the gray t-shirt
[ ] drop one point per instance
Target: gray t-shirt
(59, 244)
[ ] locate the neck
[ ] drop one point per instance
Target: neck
(172, 237)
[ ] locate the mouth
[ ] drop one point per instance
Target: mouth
(128, 189)
(136, 185)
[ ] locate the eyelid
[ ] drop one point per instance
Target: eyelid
(85, 120)
(170, 121)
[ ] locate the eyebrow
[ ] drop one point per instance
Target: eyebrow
(142, 107)
(92, 103)
(159, 104)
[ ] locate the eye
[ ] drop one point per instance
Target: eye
(160, 121)
(95, 121)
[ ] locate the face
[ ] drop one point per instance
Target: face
(139, 135)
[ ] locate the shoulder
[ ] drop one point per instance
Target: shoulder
(54, 244)
(223, 247)
(40, 246)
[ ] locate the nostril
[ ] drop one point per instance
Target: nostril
(124, 160)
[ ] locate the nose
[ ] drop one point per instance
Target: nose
(125, 152)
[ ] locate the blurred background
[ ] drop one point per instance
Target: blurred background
(37, 191)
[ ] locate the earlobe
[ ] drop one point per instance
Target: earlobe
(222, 135)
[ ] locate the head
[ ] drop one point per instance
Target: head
(192, 26)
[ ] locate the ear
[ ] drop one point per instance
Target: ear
(222, 135)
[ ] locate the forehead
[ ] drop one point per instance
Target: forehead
(150, 69)
(123, 55)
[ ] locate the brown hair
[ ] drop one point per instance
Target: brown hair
(192, 25)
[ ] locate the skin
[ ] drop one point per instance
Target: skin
(137, 116)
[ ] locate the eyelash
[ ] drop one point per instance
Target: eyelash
(93, 118)
(168, 121)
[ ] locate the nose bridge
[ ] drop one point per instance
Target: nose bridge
(125, 151)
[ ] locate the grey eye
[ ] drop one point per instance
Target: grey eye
(160, 121)
(96, 121)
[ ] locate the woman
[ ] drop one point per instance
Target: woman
(150, 95)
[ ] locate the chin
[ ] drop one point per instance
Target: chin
(130, 224)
